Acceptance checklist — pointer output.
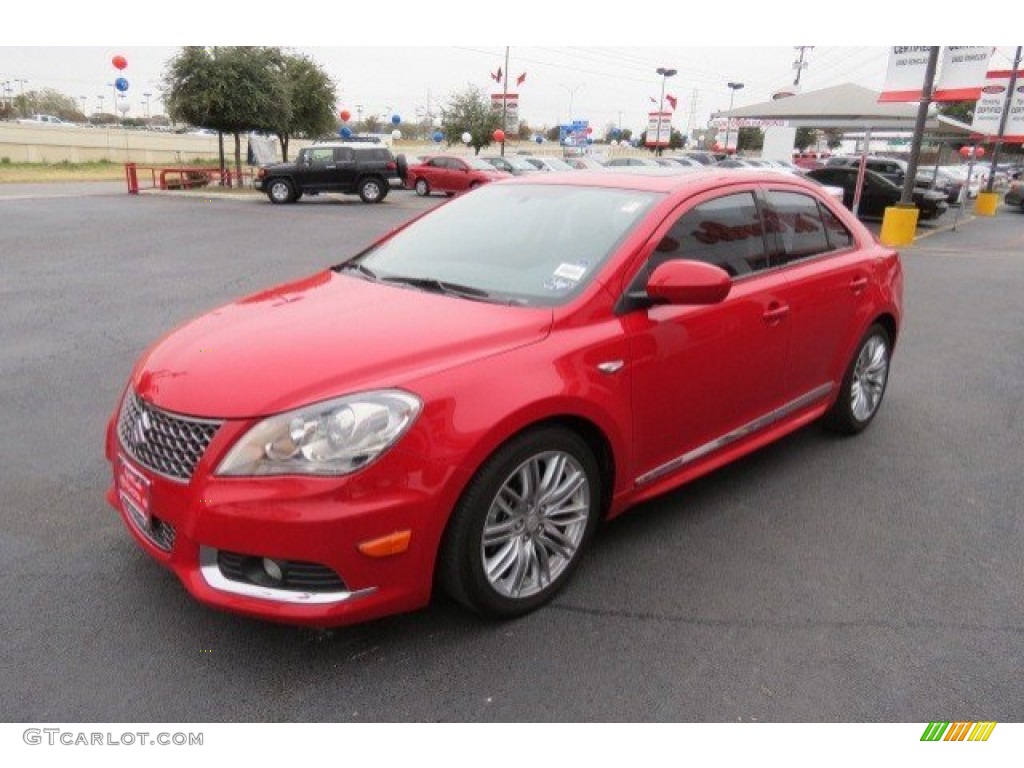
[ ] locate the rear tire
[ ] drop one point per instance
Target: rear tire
(863, 385)
(372, 190)
(422, 187)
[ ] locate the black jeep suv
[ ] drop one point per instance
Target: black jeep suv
(348, 168)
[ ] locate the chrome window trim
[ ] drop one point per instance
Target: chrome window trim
(737, 434)
(214, 578)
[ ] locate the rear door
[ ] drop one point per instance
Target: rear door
(825, 290)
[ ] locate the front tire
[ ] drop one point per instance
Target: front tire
(863, 386)
(523, 523)
(280, 191)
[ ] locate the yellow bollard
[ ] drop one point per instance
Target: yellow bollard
(986, 203)
(899, 225)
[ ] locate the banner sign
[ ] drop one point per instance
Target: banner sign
(989, 109)
(963, 72)
(511, 111)
(659, 129)
(960, 78)
(904, 76)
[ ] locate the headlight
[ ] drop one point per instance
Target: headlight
(330, 438)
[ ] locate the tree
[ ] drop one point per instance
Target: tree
(553, 134)
(47, 102)
(311, 95)
(229, 89)
(470, 111)
(371, 124)
(833, 138)
(805, 137)
(749, 138)
(958, 110)
(525, 131)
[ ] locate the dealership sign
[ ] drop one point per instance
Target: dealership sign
(659, 129)
(511, 125)
(960, 79)
(746, 122)
(989, 109)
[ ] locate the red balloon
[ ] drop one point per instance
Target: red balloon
(499, 135)
(120, 62)
(965, 152)
(590, 129)
(345, 115)
(979, 152)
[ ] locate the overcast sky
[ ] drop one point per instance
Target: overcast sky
(402, 61)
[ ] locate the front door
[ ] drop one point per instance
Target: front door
(704, 376)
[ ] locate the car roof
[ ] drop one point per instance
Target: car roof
(662, 179)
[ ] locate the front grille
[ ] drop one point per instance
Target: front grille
(169, 445)
(296, 575)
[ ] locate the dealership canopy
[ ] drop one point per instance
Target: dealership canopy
(846, 107)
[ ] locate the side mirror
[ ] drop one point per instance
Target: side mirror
(688, 282)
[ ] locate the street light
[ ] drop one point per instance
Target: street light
(665, 75)
(147, 94)
(572, 93)
(733, 87)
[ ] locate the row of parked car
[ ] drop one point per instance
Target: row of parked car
(371, 171)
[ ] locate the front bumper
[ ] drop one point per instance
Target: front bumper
(315, 520)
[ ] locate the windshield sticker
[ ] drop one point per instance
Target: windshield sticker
(558, 284)
(632, 206)
(573, 272)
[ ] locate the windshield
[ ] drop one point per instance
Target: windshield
(478, 164)
(558, 165)
(520, 164)
(528, 244)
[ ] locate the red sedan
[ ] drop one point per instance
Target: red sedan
(451, 174)
(458, 405)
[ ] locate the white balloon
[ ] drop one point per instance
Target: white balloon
(437, 122)
(396, 134)
(467, 137)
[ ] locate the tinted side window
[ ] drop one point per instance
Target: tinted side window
(726, 232)
(796, 223)
(437, 162)
(839, 236)
(344, 154)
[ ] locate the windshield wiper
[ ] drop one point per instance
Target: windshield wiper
(358, 266)
(434, 285)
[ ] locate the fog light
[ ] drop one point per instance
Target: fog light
(273, 569)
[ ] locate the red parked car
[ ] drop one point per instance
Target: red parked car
(459, 404)
(451, 174)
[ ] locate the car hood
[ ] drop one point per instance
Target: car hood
(322, 337)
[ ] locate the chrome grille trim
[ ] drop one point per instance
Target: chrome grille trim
(162, 442)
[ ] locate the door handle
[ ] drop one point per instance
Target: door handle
(858, 284)
(775, 313)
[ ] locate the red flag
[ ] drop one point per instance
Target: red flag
(671, 100)
(497, 75)
(653, 100)
(521, 79)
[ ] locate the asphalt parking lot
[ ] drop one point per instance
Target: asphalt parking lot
(822, 579)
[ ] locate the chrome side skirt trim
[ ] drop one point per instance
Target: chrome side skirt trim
(212, 575)
(737, 434)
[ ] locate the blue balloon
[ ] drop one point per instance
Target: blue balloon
(438, 137)
(121, 84)
(395, 119)
(539, 139)
(589, 140)
(345, 132)
(614, 133)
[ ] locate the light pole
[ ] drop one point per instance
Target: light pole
(99, 98)
(147, 94)
(24, 104)
(572, 93)
(733, 87)
(84, 113)
(665, 75)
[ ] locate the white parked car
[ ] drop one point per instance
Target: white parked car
(43, 120)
